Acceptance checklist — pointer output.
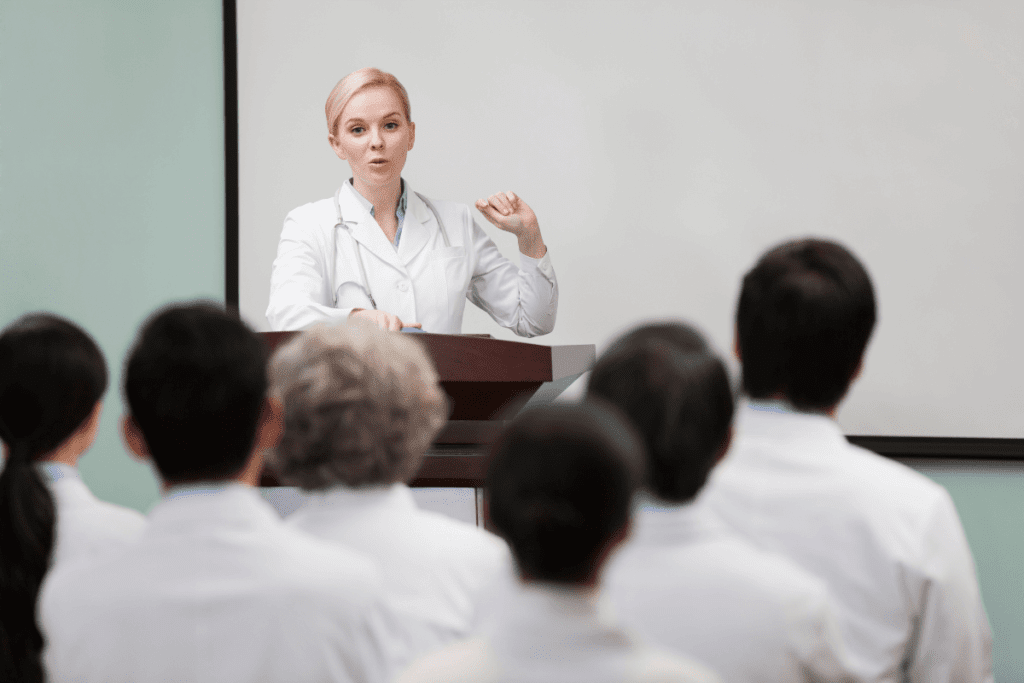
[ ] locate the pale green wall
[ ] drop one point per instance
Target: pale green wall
(111, 177)
(112, 203)
(990, 499)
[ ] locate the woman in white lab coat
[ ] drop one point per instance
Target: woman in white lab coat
(361, 406)
(380, 251)
(52, 376)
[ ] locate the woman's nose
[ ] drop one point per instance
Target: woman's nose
(376, 139)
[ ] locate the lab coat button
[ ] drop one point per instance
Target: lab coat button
(403, 286)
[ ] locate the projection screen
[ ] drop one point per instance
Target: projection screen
(665, 145)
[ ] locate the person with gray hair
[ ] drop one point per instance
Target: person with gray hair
(361, 406)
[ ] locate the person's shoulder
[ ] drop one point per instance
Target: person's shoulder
(457, 532)
(313, 213)
(887, 485)
(654, 665)
(466, 661)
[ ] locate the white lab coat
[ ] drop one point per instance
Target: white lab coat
(688, 583)
(887, 541)
(217, 589)
(545, 633)
(316, 275)
(436, 570)
(86, 525)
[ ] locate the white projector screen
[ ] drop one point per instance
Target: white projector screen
(665, 145)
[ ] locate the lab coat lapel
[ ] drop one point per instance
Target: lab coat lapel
(364, 229)
(417, 228)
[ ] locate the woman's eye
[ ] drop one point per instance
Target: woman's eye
(391, 125)
(357, 130)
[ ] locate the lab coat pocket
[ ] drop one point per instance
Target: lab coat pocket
(451, 278)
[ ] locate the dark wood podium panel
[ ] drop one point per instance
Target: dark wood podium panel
(488, 381)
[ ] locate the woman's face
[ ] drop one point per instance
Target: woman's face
(373, 136)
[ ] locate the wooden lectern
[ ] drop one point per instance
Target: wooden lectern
(488, 381)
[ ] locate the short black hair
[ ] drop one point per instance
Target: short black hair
(195, 383)
(560, 486)
(676, 391)
(805, 314)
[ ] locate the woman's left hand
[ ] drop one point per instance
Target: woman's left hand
(510, 213)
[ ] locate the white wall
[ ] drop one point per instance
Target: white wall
(664, 145)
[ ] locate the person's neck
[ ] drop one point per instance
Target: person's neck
(383, 197)
(828, 412)
(247, 476)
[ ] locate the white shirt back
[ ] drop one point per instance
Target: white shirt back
(86, 525)
(686, 582)
(217, 589)
(546, 634)
(886, 540)
(436, 570)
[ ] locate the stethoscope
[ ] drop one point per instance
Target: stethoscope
(358, 250)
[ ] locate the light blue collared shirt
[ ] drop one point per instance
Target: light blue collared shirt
(196, 489)
(55, 471)
(399, 210)
(772, 405)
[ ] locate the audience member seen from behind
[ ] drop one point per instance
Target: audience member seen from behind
(684, 580)
(218, 588)
(886, 539)
(560, 486)
(361, 407)
(52, 377)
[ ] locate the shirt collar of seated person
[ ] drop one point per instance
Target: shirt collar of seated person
(361, 407)
(559, 491)
(196, 388)
(806, 312)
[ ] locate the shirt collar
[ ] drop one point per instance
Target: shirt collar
(196, 489)
(396, 496)
(403, 201)
(55, 471)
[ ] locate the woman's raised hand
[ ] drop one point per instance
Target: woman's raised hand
(382, 319)
(510, 213)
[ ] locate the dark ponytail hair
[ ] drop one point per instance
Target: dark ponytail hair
(52, 374)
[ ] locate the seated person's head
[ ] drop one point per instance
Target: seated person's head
(559, 489)
(196, 382)
(676, 391)
(361, 406)
(805, 314)
(52, 376)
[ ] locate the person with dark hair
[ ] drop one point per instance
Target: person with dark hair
(52, 380)
(361, 407)
(218, 587)
(886, 539)
(559, 490)
(684, 580)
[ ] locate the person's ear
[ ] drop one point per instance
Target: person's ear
(856, 373)
(91, 426)
(412, 135)
(336, 146)
(271, 425)
(134, 439)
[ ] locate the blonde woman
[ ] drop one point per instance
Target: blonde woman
(377, 250)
